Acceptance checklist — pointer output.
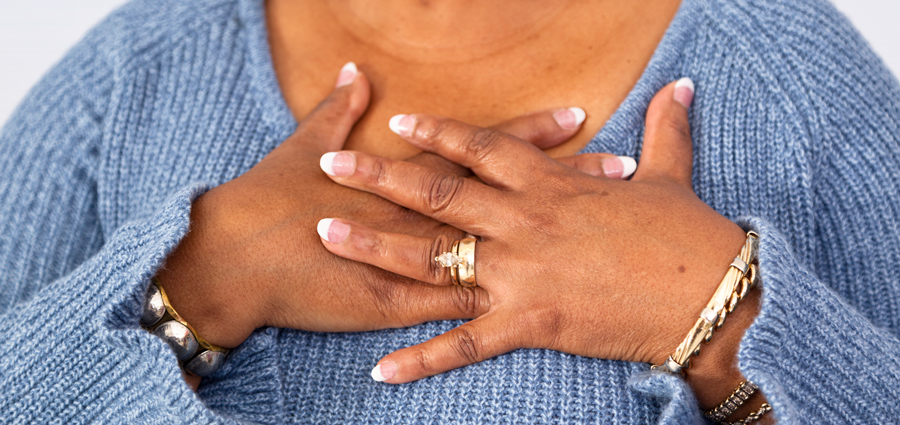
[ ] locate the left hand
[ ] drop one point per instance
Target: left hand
(586, 265)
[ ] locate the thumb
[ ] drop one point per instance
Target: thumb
(329, 124)
(668, 152)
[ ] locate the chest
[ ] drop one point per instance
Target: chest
(589, 55)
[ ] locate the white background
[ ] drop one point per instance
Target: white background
(34, 34)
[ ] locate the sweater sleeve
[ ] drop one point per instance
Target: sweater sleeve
(826, 345)
(825, 348)
(70, 291)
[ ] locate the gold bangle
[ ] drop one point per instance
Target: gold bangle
(741, 276)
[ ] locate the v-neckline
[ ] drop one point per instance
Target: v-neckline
(619, 135)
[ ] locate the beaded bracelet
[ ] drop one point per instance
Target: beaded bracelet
(195, 354)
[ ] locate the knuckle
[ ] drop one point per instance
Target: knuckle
(481, 143)
(465, 344)
(440, 191)
(466, 301)
(678, 126)
(424, 362)
(544, 222)
(378, 172)
(438, 273)
(374, 246)
(431, 128)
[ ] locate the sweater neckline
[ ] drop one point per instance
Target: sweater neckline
(616, 136)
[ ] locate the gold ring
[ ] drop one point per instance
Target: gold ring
(461, 262)
(466, 269)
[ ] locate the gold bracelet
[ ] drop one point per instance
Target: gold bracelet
(742, 276)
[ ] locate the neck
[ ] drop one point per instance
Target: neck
(435, 30)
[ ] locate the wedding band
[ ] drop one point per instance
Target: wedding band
(466, 270)
(461, 262)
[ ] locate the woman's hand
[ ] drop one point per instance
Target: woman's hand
(252, 258)
(587, 265)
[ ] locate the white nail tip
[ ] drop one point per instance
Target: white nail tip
(326, 162)
(628, 166)
(376, 374)
(394, 123)
(323, 227)
(580, 115)
(685, 82)
(350, 66)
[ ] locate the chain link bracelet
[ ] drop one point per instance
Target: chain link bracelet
(737, 399)
(753, 417)
(741, 276)
(195, 355)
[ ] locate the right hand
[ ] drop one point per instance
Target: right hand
(253, 259)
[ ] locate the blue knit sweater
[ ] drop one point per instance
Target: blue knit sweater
(796, 126)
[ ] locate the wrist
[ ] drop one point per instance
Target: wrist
(203, 293)
(714, 374)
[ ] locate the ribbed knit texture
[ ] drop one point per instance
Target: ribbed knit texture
(796, 126)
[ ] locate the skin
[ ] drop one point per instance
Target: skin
(260, 228)
(572, 279)
(455, 58)
(477, 61)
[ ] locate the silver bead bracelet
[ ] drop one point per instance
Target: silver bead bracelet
(195, 355)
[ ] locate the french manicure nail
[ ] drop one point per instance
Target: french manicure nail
(384, 371)
(620, 167)
(569, 118)
(338, 164)
(402, 124)
(630, 165)
(347, 75)
(333, 231)
(684, 92)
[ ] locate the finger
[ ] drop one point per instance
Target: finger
(545, 129)
(601, 165)
(457, 201)
(438, 164)
(329, 124)
(471, 343)
(406, 255)
(668, 152)
(409, 302)
(499, 159)
(413, 303)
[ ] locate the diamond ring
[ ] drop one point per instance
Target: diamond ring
(461, 262)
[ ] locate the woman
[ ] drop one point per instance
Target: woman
(794, 125)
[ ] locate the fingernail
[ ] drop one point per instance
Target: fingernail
(338, 164)
(402, 124)
(333, 231)
(347, 75)
(684, 92)
(620, 167)
(384, 371)
(569, 118)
